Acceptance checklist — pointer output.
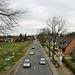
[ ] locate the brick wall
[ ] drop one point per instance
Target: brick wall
(70, 47)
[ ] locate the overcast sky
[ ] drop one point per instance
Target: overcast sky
(40, 11)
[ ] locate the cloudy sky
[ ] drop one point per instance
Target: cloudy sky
(40, 10)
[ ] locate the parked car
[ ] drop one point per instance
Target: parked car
(42, 61)
(26, 63)
(31, 52)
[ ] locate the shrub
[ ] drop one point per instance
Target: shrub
(69, 64)
(54, 62)
(73, 55)
(1, 66)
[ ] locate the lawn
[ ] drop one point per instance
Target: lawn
(6, 50)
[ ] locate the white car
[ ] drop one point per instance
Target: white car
(31, 52)
(42, 61)
(26, 63)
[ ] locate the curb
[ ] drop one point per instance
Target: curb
(16, 67)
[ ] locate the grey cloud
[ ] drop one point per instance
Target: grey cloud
(40, 10)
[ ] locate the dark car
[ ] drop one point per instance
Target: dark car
(33, 47)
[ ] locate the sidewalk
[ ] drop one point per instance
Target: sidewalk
(63, 70)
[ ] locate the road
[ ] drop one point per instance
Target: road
(36, 68)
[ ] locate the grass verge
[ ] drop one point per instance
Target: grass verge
(18, 48)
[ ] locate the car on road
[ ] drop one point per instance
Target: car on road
(33, 47)
(42, 61)
(26, 63)
(31, 52)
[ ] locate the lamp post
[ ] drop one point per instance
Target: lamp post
(60, 58)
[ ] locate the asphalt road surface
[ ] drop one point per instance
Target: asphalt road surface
(36, 68)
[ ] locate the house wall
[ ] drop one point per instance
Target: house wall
(70, 47)
(60, 50)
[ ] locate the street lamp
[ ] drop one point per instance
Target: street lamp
(60, 58)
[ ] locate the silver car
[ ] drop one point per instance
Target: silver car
(42, 61)
(26, 63)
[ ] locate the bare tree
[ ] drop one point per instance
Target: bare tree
(8, 17)
(44, 38)
(48, 44)
(57, 26)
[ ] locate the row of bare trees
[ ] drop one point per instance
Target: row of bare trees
(49, 36)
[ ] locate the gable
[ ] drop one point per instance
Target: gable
(70, 47)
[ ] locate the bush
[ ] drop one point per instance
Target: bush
(73, 55)
(69, 64)
(1, 66)
(54, 62)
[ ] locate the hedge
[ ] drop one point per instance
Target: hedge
(69, 64)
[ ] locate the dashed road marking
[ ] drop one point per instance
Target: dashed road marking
(34, 67)
(35, 60)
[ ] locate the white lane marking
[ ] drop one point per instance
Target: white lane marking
(34, 67)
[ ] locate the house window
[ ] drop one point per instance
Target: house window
(73, 45)
(63, 49)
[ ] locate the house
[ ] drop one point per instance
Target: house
(67, 44)
(30, 38)
(8, 39)
(2, 38)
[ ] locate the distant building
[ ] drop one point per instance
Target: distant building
(30, 38)
(8, 39)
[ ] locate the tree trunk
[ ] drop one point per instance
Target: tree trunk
(53, 52)
(49, 51)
